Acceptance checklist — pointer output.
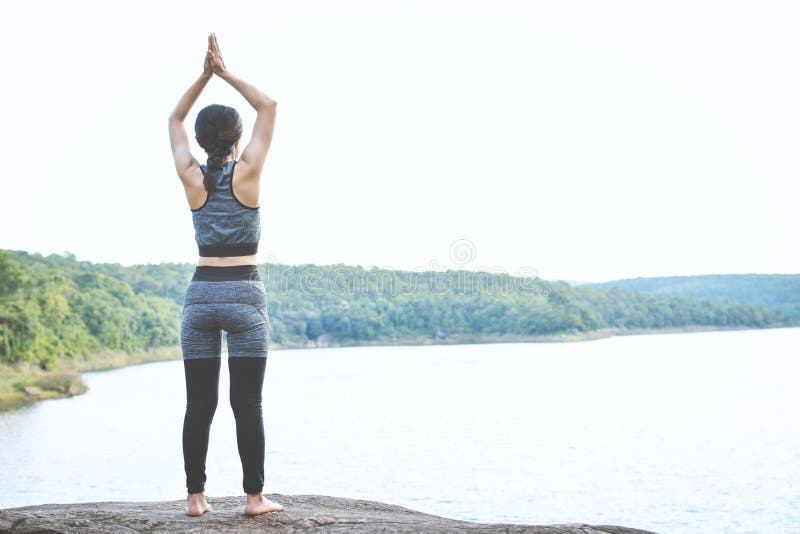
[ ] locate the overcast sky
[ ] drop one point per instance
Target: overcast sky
(585, 140)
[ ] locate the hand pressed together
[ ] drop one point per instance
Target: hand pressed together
(213, 61)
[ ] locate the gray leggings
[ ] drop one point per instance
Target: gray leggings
(231, 299)
(225, 298)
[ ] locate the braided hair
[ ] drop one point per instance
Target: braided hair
(216, 129)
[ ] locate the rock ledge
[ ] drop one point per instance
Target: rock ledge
(303, 513)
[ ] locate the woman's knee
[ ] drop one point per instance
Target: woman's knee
(202, 407)
(246, 405)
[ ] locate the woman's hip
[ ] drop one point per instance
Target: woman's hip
(240, 284)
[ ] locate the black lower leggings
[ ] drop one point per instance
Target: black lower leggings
(202, 385)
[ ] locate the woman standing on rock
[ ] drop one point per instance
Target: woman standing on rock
(226, 291)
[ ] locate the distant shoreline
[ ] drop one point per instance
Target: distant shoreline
(23, 384)
(472, 339)
(64, 379)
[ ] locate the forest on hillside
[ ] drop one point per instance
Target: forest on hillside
(777, 292)
(59, 307)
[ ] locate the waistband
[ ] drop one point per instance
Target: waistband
(244, 249)
(208, 273)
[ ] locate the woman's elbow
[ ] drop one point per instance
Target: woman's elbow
(268, 105)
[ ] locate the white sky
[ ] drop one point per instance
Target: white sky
(585, 140)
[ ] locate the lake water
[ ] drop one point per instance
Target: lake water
(695, 432)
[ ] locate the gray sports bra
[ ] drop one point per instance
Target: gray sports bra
(223, 225)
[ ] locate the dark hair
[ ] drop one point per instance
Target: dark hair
(216, 129)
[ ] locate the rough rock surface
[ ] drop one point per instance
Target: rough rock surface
(302, 513)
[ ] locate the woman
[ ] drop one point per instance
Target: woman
(226, 292)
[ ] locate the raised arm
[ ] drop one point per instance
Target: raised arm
(254, 154)
(178, 138)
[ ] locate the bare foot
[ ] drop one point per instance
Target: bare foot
(258, 504)
(197, 505)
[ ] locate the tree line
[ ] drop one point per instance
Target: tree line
(776, 292)
(58, 307)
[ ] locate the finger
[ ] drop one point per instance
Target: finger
(209, 41)
(216, 45)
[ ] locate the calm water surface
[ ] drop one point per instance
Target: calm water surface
(673, 433)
